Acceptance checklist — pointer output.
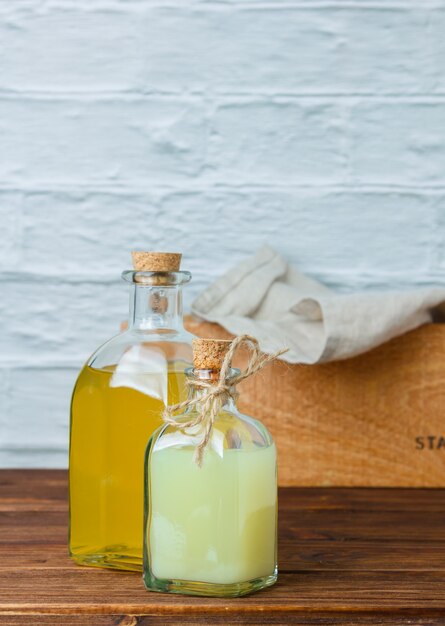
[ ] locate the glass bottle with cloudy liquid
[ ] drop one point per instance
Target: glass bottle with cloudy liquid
(211, 530)
(117, 404)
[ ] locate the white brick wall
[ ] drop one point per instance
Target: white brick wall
(317, 126)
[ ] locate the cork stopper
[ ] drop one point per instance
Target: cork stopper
(156, 261)
(208, 354)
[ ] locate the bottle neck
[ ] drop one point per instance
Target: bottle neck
(155, 308)
(211, 376)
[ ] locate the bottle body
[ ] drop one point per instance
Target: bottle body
(211, 530)
(116, 406)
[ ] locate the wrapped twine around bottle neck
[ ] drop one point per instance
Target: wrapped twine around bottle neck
(215, 394)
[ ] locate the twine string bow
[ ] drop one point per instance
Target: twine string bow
(216, 394)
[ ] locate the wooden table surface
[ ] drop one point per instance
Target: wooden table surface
(347, 556)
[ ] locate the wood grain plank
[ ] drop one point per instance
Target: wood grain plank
(364, 499)
(99, 591)
(69, 620)
(276, 619)
(298, 525)
(30, 485)
(347, 556)
(307, 555)
(33, 527)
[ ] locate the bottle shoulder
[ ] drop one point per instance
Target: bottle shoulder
(172, 346)
(231, 430)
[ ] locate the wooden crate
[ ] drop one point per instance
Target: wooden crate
(374, 420)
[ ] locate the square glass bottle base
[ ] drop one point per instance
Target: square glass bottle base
(109, 559)
(193, 588)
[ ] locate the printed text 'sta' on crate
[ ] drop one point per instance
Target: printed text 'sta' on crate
(374, 420)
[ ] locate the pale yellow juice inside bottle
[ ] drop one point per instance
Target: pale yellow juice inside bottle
(110, 428)
(217, 523)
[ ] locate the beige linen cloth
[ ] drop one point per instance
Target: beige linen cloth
(266, 297)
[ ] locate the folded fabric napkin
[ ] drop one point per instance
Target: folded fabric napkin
(268, 298)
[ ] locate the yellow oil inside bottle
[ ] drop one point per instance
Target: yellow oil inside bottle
(110, 429)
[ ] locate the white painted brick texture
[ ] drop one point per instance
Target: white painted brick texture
(317, 126)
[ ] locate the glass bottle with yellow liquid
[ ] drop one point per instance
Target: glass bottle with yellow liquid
(211, 487)
(117, 404)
